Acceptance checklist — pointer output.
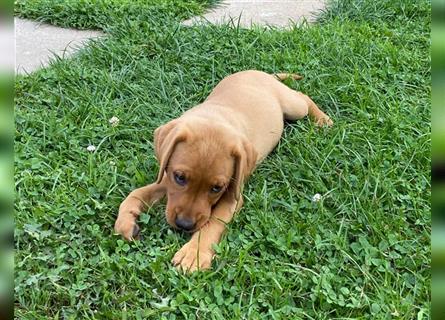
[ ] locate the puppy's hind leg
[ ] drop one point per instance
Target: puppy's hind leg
(297, 105)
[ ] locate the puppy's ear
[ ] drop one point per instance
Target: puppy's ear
(245, 160)
(166, 138)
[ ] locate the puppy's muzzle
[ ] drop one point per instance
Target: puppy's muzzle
(185, 224)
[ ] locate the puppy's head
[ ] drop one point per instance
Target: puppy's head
(199, 164)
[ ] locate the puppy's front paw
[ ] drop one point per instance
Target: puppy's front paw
(126, 226)
(190, 259)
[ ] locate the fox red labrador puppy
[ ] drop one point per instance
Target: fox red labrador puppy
(206, 155)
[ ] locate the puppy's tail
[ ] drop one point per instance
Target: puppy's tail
(284, 76)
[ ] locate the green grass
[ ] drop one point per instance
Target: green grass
(101, 14)
(362, 252)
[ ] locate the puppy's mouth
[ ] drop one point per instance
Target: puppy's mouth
(197, 228)
(201, 223)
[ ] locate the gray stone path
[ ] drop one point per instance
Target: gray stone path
(36, 43)
(280, 13)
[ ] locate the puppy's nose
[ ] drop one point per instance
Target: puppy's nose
(184, 224)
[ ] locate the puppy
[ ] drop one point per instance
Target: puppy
(206, 155)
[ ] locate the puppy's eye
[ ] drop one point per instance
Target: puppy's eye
(216, 189)
(180, 178)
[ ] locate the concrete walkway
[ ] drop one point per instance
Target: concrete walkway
(36, 43)
(279, 13)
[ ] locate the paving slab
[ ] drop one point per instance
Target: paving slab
(278, 13)
(36, 43)
(6, 48)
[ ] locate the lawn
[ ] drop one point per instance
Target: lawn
(362, 252)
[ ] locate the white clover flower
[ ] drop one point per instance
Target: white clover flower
(114, 121)
(316, 197)
(91, 148)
